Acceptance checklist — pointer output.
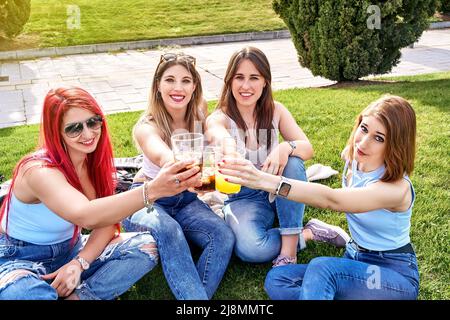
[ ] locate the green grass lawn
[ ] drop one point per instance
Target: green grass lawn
(128, 20)
(326, 115)
(112, 21)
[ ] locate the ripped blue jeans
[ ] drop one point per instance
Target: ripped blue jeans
(119, 266)
(251, 215)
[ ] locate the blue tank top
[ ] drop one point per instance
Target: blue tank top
(380, 229)
(35, 223)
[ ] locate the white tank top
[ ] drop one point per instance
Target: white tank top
(259, 155)
(149, 168)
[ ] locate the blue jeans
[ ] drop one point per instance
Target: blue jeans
(119, 266)
(251, 216)
(356, 276)
(176, 221)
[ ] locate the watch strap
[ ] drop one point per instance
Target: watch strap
(293, 146)
(83, 262)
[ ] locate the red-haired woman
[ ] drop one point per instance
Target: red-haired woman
(66, 185)
(377, 196)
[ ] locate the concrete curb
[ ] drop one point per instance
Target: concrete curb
(149, 44)
(439, 25)
(144, 44)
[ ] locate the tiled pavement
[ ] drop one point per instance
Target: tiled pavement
(121, 81)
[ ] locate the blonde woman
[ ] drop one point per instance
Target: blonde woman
(176, 103)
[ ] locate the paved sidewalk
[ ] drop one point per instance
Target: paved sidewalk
(121, 81)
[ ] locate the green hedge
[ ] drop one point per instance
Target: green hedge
(444, 6)
(333, 39)
(13, 16)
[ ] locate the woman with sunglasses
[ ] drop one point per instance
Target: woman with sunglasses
(176, 104)
(66, 185)
(247, 112)
(377, 196)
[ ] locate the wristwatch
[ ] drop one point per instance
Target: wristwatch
(283, 187)
(83, 262)
(293, 145)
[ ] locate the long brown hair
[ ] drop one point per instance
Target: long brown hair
(399, 119)
(265, 105)
(156, 111)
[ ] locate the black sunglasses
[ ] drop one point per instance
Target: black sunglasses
(174, 56)
(73, 130)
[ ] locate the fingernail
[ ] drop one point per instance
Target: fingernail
(224, 161)
(220, 171)
(226, 179)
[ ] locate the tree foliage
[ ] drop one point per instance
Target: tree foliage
(14, 14)
(339, 39)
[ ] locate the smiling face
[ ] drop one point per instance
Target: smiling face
(87, 141)
(370, 143)
(176, 87)
(247, 84)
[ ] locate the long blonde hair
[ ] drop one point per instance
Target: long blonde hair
(156, 111)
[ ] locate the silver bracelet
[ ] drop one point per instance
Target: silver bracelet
(148, 204)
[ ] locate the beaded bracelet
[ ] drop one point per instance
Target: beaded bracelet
(148, 204)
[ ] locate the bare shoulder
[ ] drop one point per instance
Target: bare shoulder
(279, 107)
(398, 193)
(39, 172)
(280, 111)
(36, 175)
(217, 117)
(146, 129)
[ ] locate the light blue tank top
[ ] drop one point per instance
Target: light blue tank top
(35, 223)
(380, 229)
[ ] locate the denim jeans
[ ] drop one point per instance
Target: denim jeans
(174, 222)
(356, 276)
(119, 266)
(251, 216)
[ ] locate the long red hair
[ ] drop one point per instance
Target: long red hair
(100, 163)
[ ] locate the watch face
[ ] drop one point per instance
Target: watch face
(284, 189)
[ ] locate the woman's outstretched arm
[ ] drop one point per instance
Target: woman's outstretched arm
(378, 195)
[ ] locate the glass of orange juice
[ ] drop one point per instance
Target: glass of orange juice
(227, 149)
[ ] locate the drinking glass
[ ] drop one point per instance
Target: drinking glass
(229, 149)
(208, 170)
(188, 146)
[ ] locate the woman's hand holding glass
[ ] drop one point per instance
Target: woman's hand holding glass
(228, 150)
(243, 172)
(171, 181)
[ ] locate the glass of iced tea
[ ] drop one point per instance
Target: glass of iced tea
(208, 170)
(188, 146)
